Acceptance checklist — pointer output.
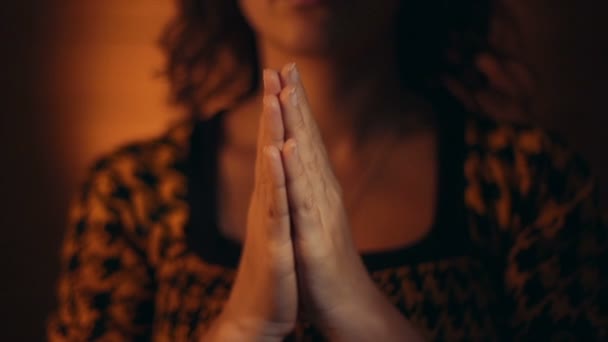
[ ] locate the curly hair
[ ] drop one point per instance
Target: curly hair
(209, 44)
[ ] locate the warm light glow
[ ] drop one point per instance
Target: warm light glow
(103, 75)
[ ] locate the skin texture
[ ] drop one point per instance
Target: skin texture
(334, 283)
(299, 253)
(295, 187)
(263, 302)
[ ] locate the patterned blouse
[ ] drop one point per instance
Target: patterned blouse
(517, 250)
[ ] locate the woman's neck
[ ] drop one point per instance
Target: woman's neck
(352, 96)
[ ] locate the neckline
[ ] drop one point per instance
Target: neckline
(445, 238)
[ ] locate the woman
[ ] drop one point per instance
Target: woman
(364, 203)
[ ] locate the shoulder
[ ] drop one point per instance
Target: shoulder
(136, 181)
(157, 153)
(514, 170)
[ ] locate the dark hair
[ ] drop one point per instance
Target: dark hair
(209, 43)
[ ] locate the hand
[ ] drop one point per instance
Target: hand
(263, 301)
(337, 292)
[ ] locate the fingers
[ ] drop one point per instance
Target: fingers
(300, 124)
(274, 132)
(295, 127)
(272, 121)
(290, 76)
(274, 196)
(300, 196)
(272, 82)
(311, 159)
(271, 129)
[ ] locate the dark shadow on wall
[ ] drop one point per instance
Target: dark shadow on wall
(568, 45)
(33, 187)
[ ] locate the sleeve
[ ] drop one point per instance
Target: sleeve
(106, 287)
(557, 262)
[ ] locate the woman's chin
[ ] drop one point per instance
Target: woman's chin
(309, 42)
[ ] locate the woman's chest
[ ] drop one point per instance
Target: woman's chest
(389, 212)
(446, 299)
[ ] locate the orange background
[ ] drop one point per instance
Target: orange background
(79, 79)
(103, 79)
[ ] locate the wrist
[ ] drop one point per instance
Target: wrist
(228, 328)
(370, 316)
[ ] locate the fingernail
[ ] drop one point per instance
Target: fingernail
(293, 72)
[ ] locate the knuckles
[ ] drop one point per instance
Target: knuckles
(304, 204)
(285, 94)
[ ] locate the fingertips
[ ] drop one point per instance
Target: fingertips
(270, 127)
(288, 97)
(294, 124)
(289, 74)
(272, 82)
(290, 79)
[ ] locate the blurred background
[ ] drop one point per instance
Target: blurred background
(81, 77)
